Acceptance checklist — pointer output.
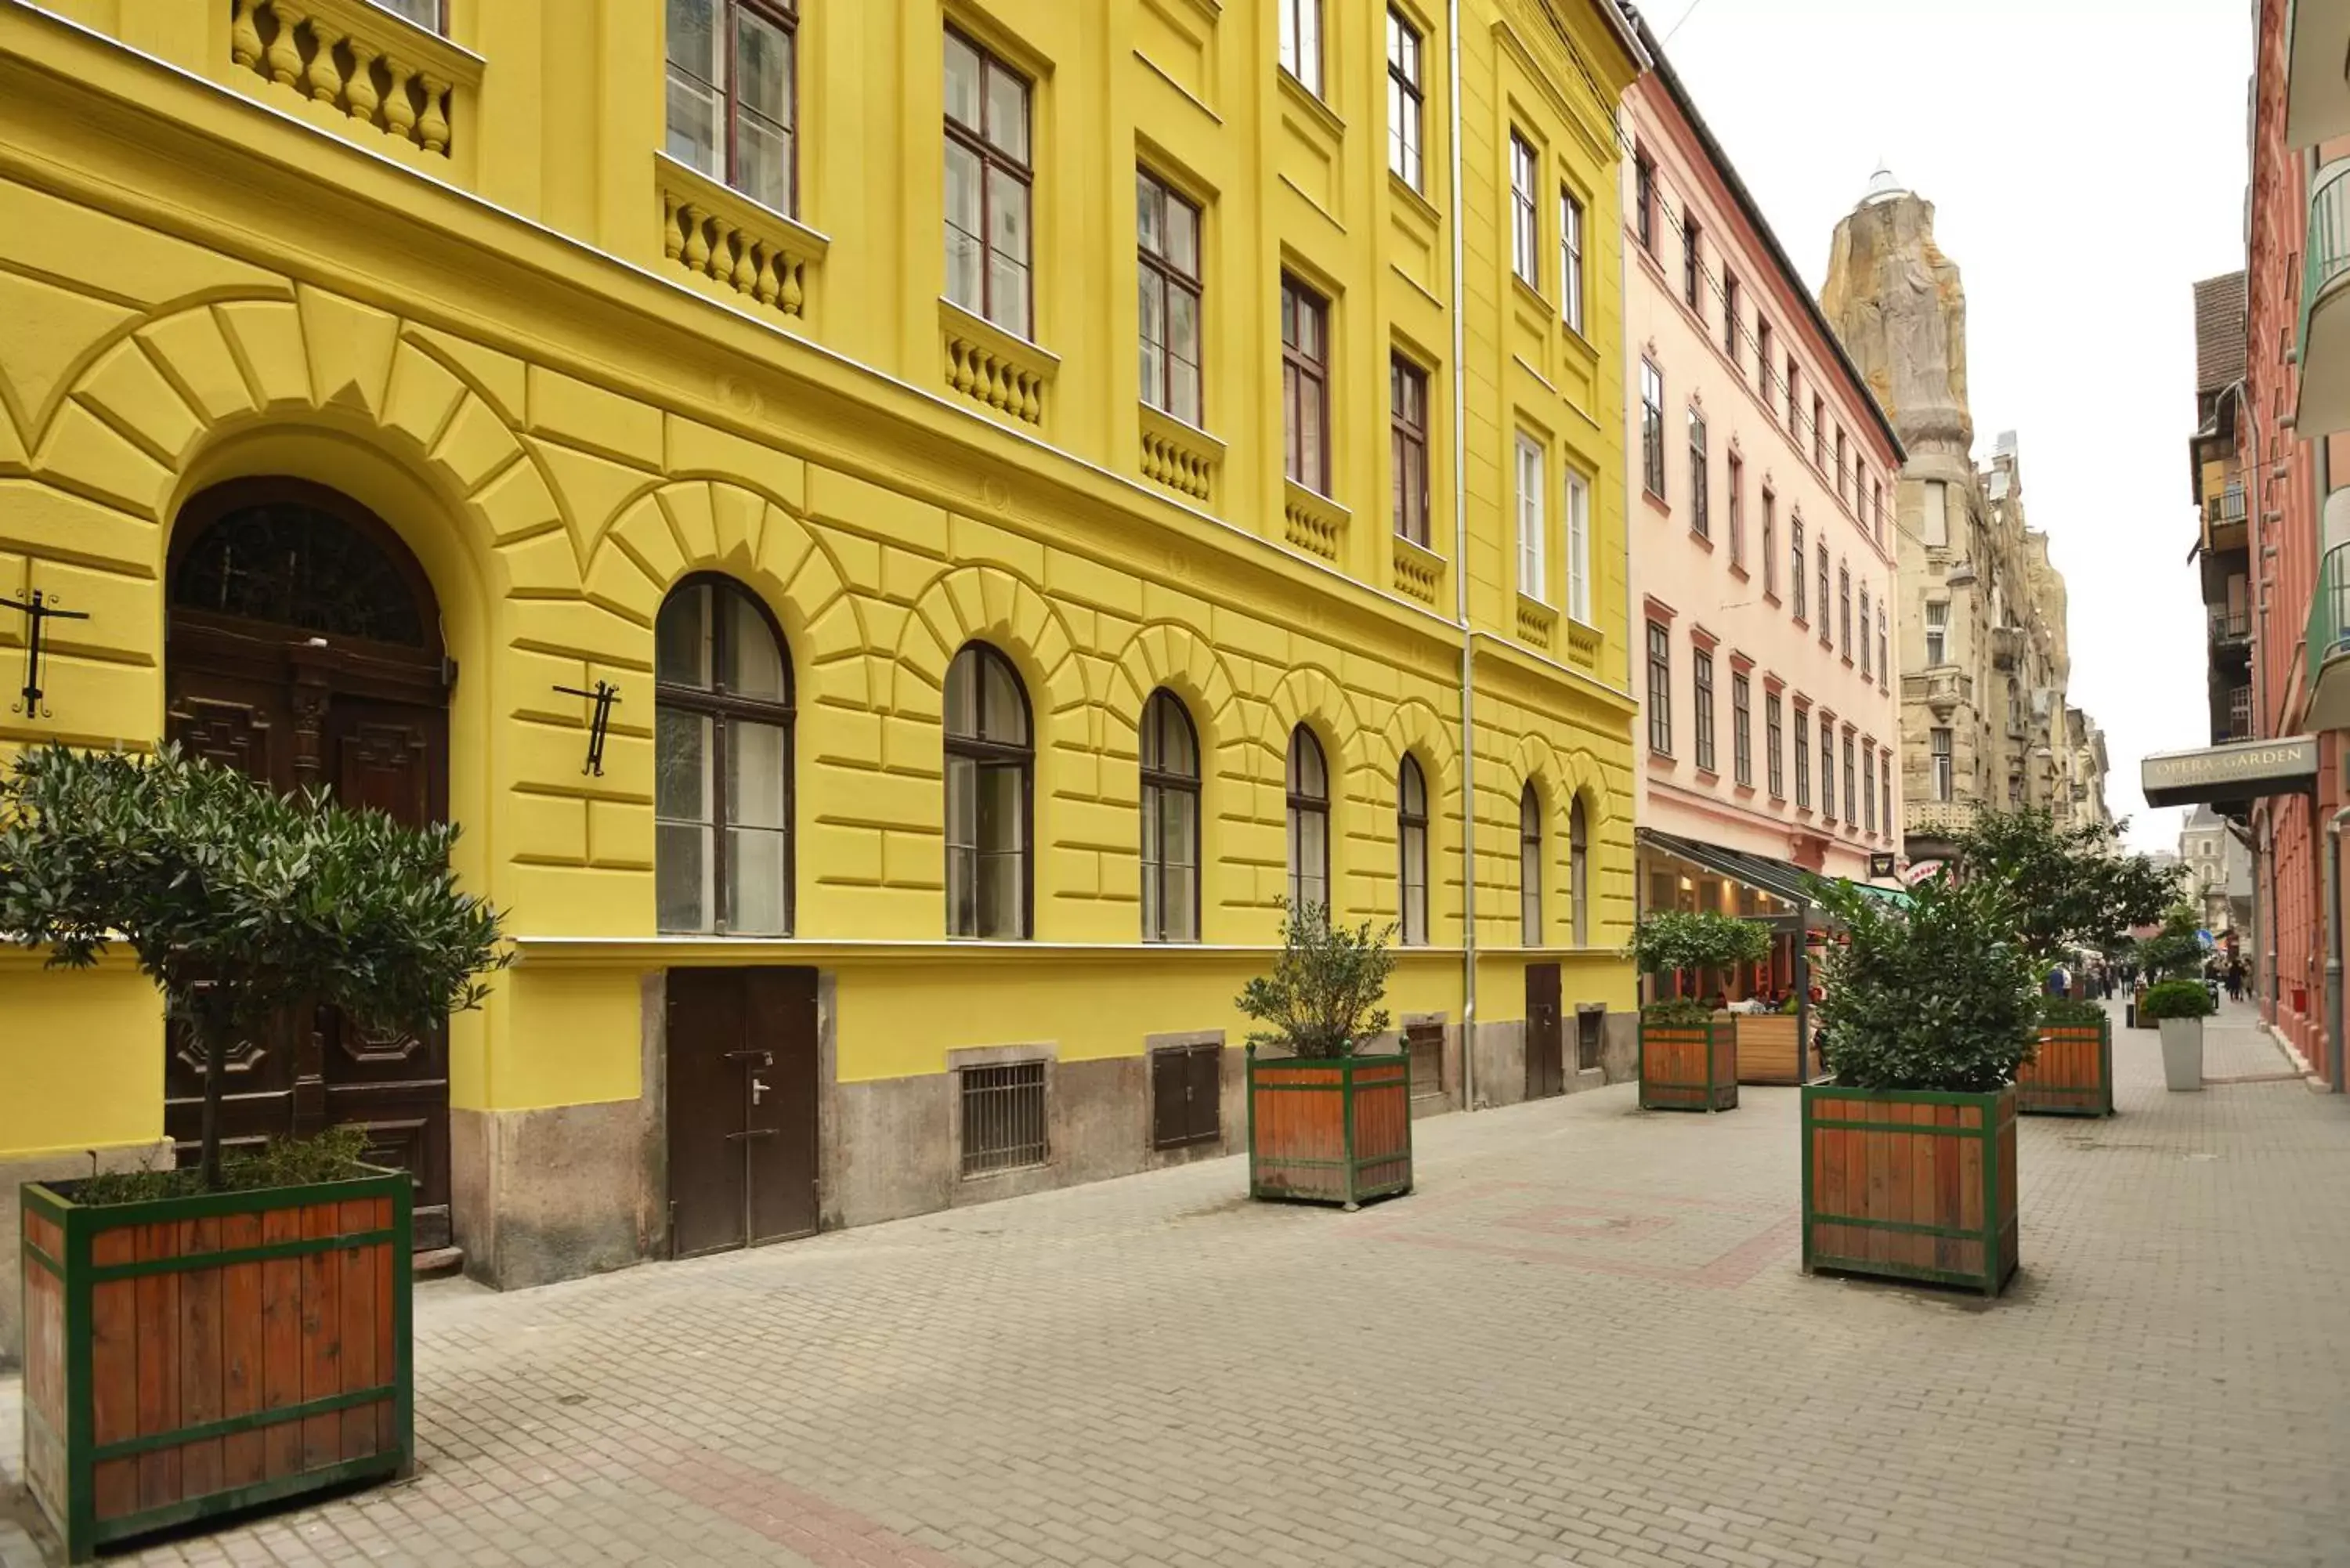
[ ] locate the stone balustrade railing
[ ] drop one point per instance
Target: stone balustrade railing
(722, 235)
(1538, 624)
(990, 365)
(1419, 572)
(1184, 459)
(1313, 523)
(376, 69)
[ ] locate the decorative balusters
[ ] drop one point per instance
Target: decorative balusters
(1313, 523)
(308, 48)
(765, 262)
(1418, 572)
(1178, 465)
(981, 371)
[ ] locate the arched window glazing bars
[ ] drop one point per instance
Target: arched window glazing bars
(1309, 821)
(1530, 869)
(1170, 822)
(1411, 850)
(722, 763)
(1578, 872)
(991, 769)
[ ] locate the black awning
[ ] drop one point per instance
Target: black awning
(1778, 878)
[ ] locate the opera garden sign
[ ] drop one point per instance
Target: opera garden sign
(2243, 770)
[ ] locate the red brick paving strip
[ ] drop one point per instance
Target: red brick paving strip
(823, 1532)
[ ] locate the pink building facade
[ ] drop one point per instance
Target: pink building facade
(1763, 556)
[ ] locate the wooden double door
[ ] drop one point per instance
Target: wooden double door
(741, 1085)
(304, 651)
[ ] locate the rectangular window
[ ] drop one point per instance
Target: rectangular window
(1652, 430)
(1883, 648)
(1763, 359)
(1304, 386)
(1827, 770)
(1525, 230)
(1819, 433)
(1692, 265)
(1406, 101)
(1407, 444)
(1795, 419)
(988, 179)
(1533, 566)
(1822, 555)
(1773, 742)
(1003, 1117)
(1737, 480)
(1864, 632)
(1700, 487)
(1876, 507)
(1803, 759)
(1660, 688)
(1844, 610)
(1938, 633)
(1944, 774)
(1730, 320)
(1701, 695)
(1851, 814)
(1795, 562)
(1301, 42)
(1742, 730)
(1769, 544)
(1570, 261)
(733, 90)
(425, 14)
(1885, 790)
(1644, 201)
(1578, 547)
(1868, 787)
(1167, 236)
(1936, 523)
(1844, 475)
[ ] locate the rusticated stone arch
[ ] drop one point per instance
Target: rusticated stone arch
(1173, 654)
(993, 605)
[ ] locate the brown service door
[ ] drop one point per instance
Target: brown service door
(742, 1106)
(1545, 1041)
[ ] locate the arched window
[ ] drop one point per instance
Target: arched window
(1412, 845)
(990, 759)
(1309, 821)
(1578, 872)
(1170, 822)
(1530, 877)
(722, 763)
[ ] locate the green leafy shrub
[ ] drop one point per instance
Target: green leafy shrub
(1936, 995)
(1677, 1011)
(2178, 999)
(1673, 939)
(237, 901)
(335, 1155)
(2174, 952)
(2073, 886)
(2064, 1012)
(1322, 999)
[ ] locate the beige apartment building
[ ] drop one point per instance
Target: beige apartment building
(1980, 635)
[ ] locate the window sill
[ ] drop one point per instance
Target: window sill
(1704, 541)
(1656, 503)
(1313, 522)
(1415, 199)
(710, 229)
(1179, 454)
(995, 367)
(1305, 97)
(1771, 598)
(1738, 570)
(1662, 760)
(1530, 295)
(1537, 622)
(1706, 776)
(1847, 661)
(1418, 571)
(1743, 791)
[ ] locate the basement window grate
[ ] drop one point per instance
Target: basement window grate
(1003, 1117)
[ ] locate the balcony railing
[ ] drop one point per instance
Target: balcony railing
(2323, 406)
(2226, 507)
(2231, 626)
(2328, 646)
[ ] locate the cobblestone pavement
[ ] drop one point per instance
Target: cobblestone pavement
(1584, 1340)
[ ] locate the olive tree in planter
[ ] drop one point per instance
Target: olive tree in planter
(1689, 1055)
(2179, 1008)
(1909, 1152)
(274, 1287)
(1326, 1125)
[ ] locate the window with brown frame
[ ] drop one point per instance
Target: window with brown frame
(1525, 225)
(1300, 22)
(1774, 744)
(1701, 703)
(1170, 821)
(1304, 386)
(1769, 544)
(1741, 729)
(1167, 240)
(1530, 868)
(1412, 852)
(1644, 201)
(733, 91)
(722, 763)
(990, 761)
(1407, 445)
(989, 176)
(1308, 781)
(1578, 872)
(1406, 105)
(1737, 481)
(432, 15)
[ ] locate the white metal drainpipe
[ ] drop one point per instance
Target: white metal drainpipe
(2333, 1024)
(1460, 593)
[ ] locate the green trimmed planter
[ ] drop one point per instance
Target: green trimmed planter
(1689, 1066)
(1910, 1184)
(2071, 1073)
(188, 1357)
(1329, 1129)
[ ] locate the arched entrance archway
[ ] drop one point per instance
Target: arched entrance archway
(304, 649)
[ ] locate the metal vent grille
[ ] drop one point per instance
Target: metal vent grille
(1003, 1117)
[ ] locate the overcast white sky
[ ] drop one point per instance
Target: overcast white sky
(2086, 159)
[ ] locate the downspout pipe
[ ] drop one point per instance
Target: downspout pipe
(1460, 584)
(2334, 1022)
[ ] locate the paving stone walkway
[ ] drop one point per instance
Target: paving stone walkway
(1584, 1340)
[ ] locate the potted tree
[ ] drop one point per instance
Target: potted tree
(1688, 1053)
(2176, 1001)
(1909, 1152)
(1326, 1123)
(2072, 889)
(273, 1287)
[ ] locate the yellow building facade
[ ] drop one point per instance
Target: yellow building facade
(378, 381)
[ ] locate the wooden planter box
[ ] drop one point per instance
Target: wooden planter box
(187, 1357)
(1689, 1066)
(1329, 1131)
(1910, 1184)
(1771, 1049)
(2071, 1073)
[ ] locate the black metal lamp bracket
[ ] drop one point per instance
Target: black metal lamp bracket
(41, 609)
(599, 724)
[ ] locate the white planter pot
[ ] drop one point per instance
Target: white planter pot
(2182, 1053)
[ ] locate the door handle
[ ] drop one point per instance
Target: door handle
(758, 1090)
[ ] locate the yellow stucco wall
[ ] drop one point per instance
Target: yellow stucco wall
(207, 275)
